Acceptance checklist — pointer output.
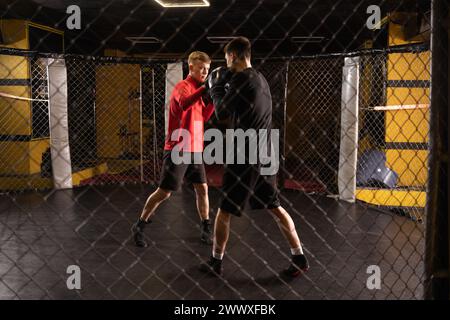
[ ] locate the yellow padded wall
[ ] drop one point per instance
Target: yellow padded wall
(14, 158)
(15, 33)
(113, 86)
(409, 66)
(407, 125)
(410, 165)
(15, 114)
(407, 96)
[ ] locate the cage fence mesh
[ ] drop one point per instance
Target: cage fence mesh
(116, 130)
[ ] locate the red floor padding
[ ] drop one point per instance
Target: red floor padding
(214, 175)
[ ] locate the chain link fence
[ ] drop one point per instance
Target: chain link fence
(395, 102)
(312, 126)
(116, 125)
(125, 118)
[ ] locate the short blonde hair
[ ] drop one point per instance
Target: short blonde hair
(198, 55)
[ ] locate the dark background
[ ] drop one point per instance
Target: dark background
(270, 24)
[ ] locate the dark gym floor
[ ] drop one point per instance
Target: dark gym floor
(42, 233)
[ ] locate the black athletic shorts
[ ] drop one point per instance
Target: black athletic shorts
(172, 174)
(244, 186)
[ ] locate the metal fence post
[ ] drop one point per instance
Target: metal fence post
(437, 241)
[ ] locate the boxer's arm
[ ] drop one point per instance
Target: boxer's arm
(208, 111)
(186, 100)
(225, 101)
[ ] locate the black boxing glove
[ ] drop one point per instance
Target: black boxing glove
(216, 81)
(206, 96)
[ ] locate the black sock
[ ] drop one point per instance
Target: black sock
(141, 223)
(215, 260)
(300, 260)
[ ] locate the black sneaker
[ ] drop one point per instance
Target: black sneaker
(206, 235)
(298, 266)
(212, 267)
(138, 234)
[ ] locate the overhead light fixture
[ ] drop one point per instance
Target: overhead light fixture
(135, 40)
(220, 39)
(182, 3)
(307, 39)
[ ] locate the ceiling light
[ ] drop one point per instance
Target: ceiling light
(307, 39)
(135, 40)
(220, 39)
(182, 3)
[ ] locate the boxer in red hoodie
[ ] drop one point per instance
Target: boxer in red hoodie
(188, 112)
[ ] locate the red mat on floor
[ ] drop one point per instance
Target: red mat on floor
(214, 175)
(215, 172)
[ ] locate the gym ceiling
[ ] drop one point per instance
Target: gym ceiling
(277, 27)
